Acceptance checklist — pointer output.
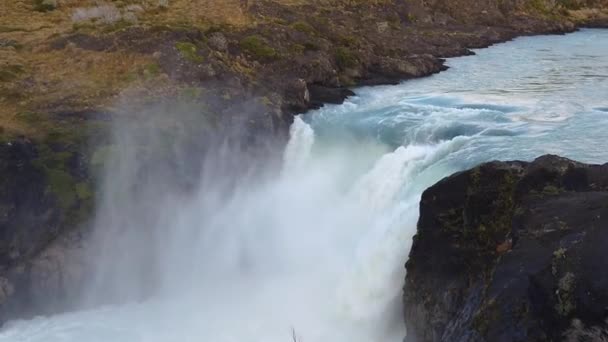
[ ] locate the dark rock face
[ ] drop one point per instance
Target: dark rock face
(37, 265)
(511, 251)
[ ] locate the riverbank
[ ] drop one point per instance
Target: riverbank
(69, 69)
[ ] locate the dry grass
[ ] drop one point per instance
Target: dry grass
(40, 78)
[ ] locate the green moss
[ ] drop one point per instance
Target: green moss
(189, 52)
(551, 190)
(565, 294)
(265, 101)
(83, 191)
(537, 6)
(303, 26)
(570, 4)
(152, 70)
(558, 255)
(348, 40)
(345, 58)
(257, 47)
(61, 184)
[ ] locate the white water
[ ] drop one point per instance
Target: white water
(320, 248)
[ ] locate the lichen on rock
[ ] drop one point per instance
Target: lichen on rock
(497, 259)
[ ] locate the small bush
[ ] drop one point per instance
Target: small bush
(348, 41)
(303, 26)
(258, 48)
(297, 49)
(45, 5)
(189, 51)
(570, 4)
(310, 46)
(537, 5)
(152, 70)
(345, 58)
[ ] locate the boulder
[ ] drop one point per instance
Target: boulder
(218, 41)
(511, 251)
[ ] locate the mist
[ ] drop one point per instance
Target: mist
(217, 243)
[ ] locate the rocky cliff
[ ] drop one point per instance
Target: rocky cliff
(511, 251)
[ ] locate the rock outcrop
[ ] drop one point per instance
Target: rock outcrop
(42, 201)
(511, 251)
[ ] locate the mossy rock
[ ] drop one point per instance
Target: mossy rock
(189, 52)
(62, 185)
(258, 48)
(83, 191)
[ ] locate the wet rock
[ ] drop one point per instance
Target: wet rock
(297, 96)
(320, 95)
(510, 251)
(35, 204)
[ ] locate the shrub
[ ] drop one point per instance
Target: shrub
(297, 49)
(570, 4)
(310, 46)
(152, 70)
(45, 5)
(189, 51)
(258, 48)
(303, 26)
(345, 58)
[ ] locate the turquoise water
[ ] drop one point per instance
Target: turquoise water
(318, 251)
(516, 100)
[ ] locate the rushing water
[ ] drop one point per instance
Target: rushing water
(318, 252)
